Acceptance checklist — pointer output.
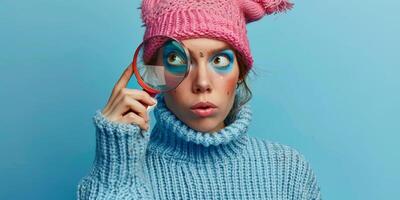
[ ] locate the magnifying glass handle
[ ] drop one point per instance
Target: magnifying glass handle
(150, 108)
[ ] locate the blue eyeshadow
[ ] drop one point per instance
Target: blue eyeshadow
(173, 47)
(225, 69)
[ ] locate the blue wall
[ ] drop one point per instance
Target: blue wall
(327, 84)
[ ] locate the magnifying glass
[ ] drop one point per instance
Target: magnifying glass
(160, 64)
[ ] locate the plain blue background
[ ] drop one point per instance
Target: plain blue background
(327, 84)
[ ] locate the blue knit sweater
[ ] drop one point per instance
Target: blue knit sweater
(174, 161)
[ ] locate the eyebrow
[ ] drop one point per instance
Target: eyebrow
(212, 51)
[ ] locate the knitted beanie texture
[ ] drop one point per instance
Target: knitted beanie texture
(216, 19)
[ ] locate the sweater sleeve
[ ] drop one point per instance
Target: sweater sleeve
(117, 171)
(309, 188)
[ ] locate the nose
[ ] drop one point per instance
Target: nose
(201, 79)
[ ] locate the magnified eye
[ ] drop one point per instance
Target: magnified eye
(174, 59)
(220, 61)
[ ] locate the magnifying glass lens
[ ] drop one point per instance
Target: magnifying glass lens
(160, 64)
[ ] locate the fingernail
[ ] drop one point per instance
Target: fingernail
(154, 100)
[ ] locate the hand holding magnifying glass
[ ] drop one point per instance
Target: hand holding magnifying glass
(128, 105)
(160, 64)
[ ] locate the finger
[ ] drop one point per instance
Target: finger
(124, 79)
(134, 118)
(121, 83)
(127, 104)
(139, 95)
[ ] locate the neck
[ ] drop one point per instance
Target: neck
(172, 138)
(217, 128)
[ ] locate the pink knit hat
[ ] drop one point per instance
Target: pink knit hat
(217, 19)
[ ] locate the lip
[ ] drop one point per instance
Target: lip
(204, 109)
(203, 105)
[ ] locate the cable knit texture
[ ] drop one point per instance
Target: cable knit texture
(217, 19)
(177, 162)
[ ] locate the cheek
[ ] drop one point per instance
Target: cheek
(177, 95)
(230, 81)
(230, 86)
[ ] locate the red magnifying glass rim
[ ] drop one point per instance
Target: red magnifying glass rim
(151, 91)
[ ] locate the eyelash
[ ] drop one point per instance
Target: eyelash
(228, 54)
(223, 55)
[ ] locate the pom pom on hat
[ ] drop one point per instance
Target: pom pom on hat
(275, 6)
(256, 9)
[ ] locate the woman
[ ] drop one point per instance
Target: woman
(199, 147)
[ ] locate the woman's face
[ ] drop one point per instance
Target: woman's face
(212, 78)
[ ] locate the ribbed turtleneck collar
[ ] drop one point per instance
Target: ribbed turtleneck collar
(174, 139)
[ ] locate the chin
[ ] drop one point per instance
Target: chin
(204, 125)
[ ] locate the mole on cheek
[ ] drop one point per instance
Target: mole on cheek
(230, 86)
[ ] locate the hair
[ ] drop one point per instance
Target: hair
(243, 87)
(243, 91)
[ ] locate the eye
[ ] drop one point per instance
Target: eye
(221, 61)
(174, 59)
